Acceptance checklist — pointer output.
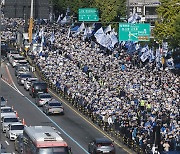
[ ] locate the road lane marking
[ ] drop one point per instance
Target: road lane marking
(49, 118)
(7, 142)
(10, 77)
(89, 122)
(125, 149)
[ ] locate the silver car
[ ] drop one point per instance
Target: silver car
(27, 82)
(42, 98)
(7, 111)
(53, 107)
(14, 130)
(8, 120)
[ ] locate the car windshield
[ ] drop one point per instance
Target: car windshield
(54, 104)
(10, 120)
(45, 96)
(23, 62)
(2, 99)
(14, 52)
(18, 58)
(104, 144)
(6, 110)
(54, 150)
(17, 127)
(25, 75)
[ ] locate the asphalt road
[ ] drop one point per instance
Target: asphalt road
(76, 130)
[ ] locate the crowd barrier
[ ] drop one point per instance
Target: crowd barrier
(90, 115)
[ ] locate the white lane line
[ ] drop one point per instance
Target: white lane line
(12, 80)
(77, 143)
(7, 142)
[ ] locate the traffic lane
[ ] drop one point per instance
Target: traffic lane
(78, 127)
(31, 114)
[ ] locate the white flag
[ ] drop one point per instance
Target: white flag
(108, 29)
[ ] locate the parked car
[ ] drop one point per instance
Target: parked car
(28, 81)
(42, 98)
(37, 87)
(16, 59)
(18, 144)
(6, 120)
(3, 102)
(53, 107)
(7, 111)
(22, 77)
(13, 130)
(19, 69)
(101, 145)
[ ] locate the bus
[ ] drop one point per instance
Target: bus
(43, 140)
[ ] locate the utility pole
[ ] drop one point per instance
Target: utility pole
(128, 9)
(31, 23)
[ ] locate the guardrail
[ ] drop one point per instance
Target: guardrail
(90, 115)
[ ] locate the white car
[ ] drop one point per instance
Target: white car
(17, 59)
(28, 81)
(14, 130)
(7, 111)
(12, 53)
(8, 120)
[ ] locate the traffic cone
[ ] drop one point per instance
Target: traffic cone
(16, 114)
(23, 122)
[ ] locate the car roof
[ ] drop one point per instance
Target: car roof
(44, 94)
(16, 123)
(102, 140)
(6, 107)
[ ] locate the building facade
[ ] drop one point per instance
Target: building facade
(145, 8)
(21, 9)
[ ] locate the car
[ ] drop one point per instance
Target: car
(22, 77)
(42, 98)
(12, 52)
(13, 130)
(19, 69)
(28, 81)
(18, 143)
(6, 120)
(7, 111)
(3, 102)
(53, 107)
(101, 145)
(16, 59)
(36, 87)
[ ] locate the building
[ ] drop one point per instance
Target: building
(21, 9)
(145, 8)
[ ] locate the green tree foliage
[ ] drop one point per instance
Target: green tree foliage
(109, 10)
(177, 30)
(164, 27)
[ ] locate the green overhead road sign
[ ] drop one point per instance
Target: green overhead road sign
(88, 14)
(134, 32)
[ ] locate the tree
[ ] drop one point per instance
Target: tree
(164, 27)
(109, 10)
(177, 30)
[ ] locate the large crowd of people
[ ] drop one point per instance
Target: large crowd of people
(138, 100)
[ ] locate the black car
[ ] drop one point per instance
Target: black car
(38, 87)
(21, 69)
(101, 145)
(18, 144)
(22, 77)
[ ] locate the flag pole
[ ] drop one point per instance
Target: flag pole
(31, 23)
